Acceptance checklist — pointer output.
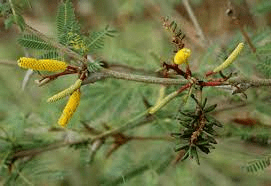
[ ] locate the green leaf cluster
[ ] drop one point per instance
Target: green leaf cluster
(114, 102)
(68, 35)
(43, 49)
(34, 42)
(68, 32)
(66, 21)
(192, 120)
(12, 12)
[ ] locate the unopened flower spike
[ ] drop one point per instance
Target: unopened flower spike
(65, 92)
(42, 64)
(70, 108)
(229, 60)
(181, 56)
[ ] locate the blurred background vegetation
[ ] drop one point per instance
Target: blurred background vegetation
(26, 117)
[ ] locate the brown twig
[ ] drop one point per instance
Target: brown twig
(199, 111)
(194, 20)
(249, 82)
(231, 12)
(187, 27)
(176, 68)
(36, 151)
(201, 125)
(178, 157)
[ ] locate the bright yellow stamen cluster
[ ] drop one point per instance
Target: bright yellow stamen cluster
(66, 92)
(42, 64)
(70, 108)
(77, 42)
(182, 55)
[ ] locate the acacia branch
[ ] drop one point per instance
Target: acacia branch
(249, 82)
(36, 151)
(105, 73)
(132, 123)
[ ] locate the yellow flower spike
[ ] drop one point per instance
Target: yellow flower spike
(42, 64)
(181, 56)
(230, 59)
(65, 92)
(70, 108)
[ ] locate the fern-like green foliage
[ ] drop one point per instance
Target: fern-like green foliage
(34, 42)
(96, 39)
(45, 50)
(265, 68)
(257, 165)
(95, 65)
(66, 21)
(68, 32)
(12, 12)
(50, 55)
(16, 16)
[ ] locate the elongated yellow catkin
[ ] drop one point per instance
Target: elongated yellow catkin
(231, 58)
(65, 92)
(42, 64)
(70, 108)
(182, 55)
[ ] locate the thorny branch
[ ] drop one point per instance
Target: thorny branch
(106, 73)
(144, 117)
(148, 114)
